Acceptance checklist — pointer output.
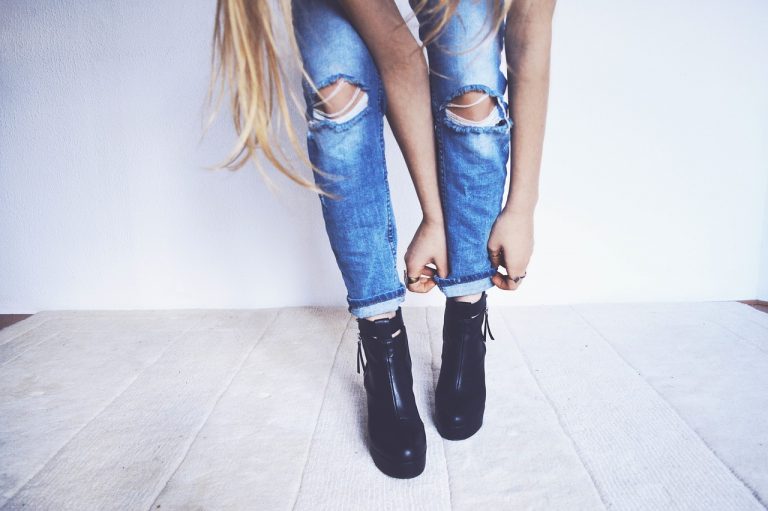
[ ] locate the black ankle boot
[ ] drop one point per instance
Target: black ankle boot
(398, 444)
(460, 392)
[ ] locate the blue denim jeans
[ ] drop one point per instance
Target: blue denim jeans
(472, 159)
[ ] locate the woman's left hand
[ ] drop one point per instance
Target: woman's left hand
(510, 245)
(428, 246)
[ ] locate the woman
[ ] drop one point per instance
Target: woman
(453, 126)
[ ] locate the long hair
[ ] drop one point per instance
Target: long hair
(246, 69)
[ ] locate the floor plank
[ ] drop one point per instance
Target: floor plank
(621, 406)
(122, 458)
(12, 332)
(715, 380)
(49, 392)
(251, 452)
(743, 321)
(640, 453)
(521, 458)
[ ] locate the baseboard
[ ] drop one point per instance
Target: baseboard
(9, 319)
(760, 305)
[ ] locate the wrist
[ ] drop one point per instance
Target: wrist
(432, 221)
(520, 206)
(432, 218)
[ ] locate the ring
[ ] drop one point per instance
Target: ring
(411, 280)
(517, 279)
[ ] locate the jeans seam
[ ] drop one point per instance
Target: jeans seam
(466, 278)
(390, 226)
(382, 297)
(441, 165)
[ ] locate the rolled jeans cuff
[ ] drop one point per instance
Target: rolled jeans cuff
(469, 285)
(388, 302)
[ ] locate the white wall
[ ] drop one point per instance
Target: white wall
(762, 292)
(654, 183)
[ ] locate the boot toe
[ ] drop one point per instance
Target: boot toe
(457, 425)
(410, 444)
(403, 455)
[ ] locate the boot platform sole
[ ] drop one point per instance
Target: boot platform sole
(399, 470)
(462, 433)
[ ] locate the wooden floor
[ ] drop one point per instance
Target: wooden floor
(657, 406)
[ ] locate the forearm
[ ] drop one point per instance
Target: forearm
(405, 76)
(528, 40)
(410, 116)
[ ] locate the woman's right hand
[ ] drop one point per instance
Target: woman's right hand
(428, 246)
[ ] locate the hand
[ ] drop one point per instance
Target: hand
(510, 245)
(428, 246)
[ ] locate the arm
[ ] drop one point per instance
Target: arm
(528, 40)
(404, 72)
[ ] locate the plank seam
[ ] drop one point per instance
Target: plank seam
(320, 411)
(96, 415)
(432, 370)
(563, 427)
(672, 408)
(25, 332)
(38, 343)
(739, 337)
(226, 387)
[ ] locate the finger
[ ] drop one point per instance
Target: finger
(442, 267)
(496, 256)
(425, 286)
(425, 282)
(506, 282)
(411, 270)
(499, 280)
(516, 273)
(428, 271)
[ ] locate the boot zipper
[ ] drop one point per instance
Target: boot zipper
(487, 327)
(360, 360)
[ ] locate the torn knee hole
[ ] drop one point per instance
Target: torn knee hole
(339, 101)
(474, 108)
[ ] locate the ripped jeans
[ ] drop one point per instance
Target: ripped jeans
(472, 155)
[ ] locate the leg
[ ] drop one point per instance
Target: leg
(472, 133)
(345, 138)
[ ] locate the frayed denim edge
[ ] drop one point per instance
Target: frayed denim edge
(460, 128)
(315, 124)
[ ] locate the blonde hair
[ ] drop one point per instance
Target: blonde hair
(246, 68)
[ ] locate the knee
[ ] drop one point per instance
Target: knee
(339, 101)
(474, 131)
(476, 108)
